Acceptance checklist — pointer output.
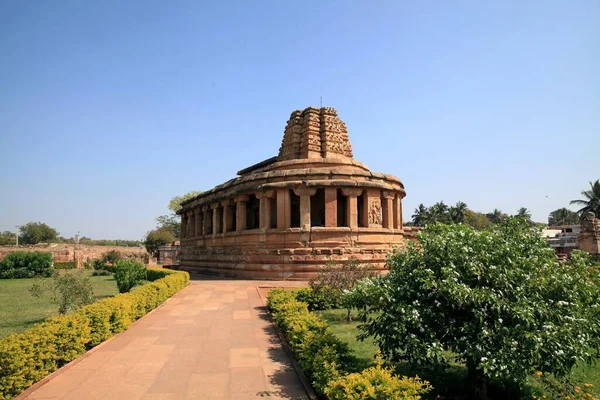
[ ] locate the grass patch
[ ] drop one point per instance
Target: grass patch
(20, 310)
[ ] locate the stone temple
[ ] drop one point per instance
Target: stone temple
(286, 216)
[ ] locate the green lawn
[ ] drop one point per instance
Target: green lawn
(20, 310)
(447, 384)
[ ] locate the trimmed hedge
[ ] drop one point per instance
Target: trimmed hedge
(326, 360)
(65, 265)
(25, 264)
(29, 356)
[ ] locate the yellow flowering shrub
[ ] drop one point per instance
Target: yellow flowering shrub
(376, 383)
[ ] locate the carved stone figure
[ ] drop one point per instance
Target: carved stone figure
(374, 212)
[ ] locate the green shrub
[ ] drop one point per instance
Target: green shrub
(65, 265)
(323, 357)
(499, 300)
(70, 291)
(99, 265)
(332, 281)
(129, 273)
(376, 383)
(23, 264)
(111, 257)
(29, 356)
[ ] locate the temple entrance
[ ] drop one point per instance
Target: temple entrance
(360, 203)
(294, 210)
(273, 217)
(209, 221)
(342, 206)
(234, 218)
(317, 208)
(253, 212)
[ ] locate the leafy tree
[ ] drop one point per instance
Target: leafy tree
(37, 232)
(157, 238)
(498, 299)
(175, 203)
(590, 201)
(458, 213)
(563, 216)
(7, 237)
(477, 220)
(171, 223)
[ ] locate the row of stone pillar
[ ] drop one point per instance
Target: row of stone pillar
(380, 209)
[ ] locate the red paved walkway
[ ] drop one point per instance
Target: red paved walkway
(212, 340)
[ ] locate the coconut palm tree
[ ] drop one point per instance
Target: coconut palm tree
(495, 216)
(524, 213)
(439, 213)
(563, 216)
(590, 201)
(458, 213)
(421, 215)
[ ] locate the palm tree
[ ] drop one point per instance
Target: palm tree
(458, 213)
(591, 201)
(421, 215)
(495, 216)
(439, 212)
(524, 213)
(563, 216)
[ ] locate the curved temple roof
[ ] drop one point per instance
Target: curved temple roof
(316, 144)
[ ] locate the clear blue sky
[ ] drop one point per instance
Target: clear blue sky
(109, 108)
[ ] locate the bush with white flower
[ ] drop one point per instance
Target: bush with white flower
(498, 299)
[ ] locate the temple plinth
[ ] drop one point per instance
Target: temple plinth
(284, 217)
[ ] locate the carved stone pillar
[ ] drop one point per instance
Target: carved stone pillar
(373, 208)
(352, 206)
(284, 210)
(227, 215)
(198, 222)
(265, 208)
(304, 193)
(216, 218)
(330, 207)
(398, 211)
(241, 203)
(206, 221)
(388, 209)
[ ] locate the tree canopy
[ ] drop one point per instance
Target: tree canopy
(563, 216)
(172, 222)
(156, 238)
(175, 202)
(37, 232)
